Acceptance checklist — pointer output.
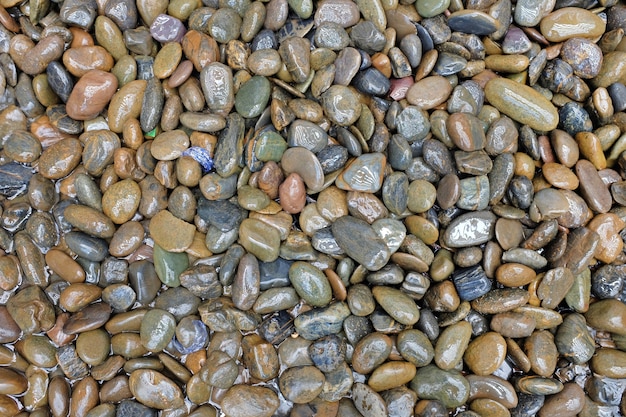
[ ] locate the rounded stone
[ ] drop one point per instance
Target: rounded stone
(121, 201)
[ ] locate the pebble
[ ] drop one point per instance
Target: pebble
(470, 229)
(449, 387)
(522, 104)
(154, 390)
(569, 401)
(243, 400)
(567, 23)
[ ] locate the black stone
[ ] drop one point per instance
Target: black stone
(138, 41)
(275, 274)
(371, 81)
(122, 12)
(229, 264)
(221, 213)
(608, 281)
(437, 29)
(328, 352)
(471, 283)
(277, 328)
(449, 64)
(521, 192)
(144, 280)
(113, 271)
(617, 92)
(427, 40)
(129, 408)
(573, 118)
(528, 405)
(471, 22)
(265, 39)
(57, 114)
(428, 324)
(324, 242)
(366, 36)
(152, 105)
(14, 179)
(144, 67)
(438, 157)
(81, 13)
(88, 247)
(356, 328)
(332, 158)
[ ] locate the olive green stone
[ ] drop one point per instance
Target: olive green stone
(359, 240)
(252, 97)
(38, 350)
(310, 283)
(451, 345)
(246, 400)
(397, 304)
(303, 8)
(301, 384)
(431, 8)
(260, 239)
(276, 299)
(251, 198)
(607, 315)
(93, 346)
(449, 387)
(224, 25)
(157, 329)
(422, 196)
(579, 294)
(613, 70)
(474, 193)
(270, 146)
(610, 363)
(169, 265)
(415, 347)
(573, 340)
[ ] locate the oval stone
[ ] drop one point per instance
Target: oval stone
(522, 103)
(397, 304)
(310, 283)
(449, 387)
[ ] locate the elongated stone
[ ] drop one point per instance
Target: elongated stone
(521, 103)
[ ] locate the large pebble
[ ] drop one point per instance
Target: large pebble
(521, 103)
(360, 242)
(245, 400)
(155, 390)
(449, 387)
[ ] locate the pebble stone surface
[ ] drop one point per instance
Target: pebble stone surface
(365, 208)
